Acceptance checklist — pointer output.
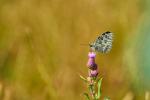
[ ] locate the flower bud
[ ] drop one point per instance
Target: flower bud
(93, 73)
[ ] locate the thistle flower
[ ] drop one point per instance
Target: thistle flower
(94, 83)
(93, 72)
(91, 61)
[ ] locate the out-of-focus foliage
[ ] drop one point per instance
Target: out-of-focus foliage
(41, 55)
(137, 56)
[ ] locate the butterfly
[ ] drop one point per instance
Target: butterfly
(103, 43)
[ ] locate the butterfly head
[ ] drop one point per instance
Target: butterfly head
(92, 46)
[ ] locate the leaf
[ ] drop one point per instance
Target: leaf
(84, 79)
(87, 96)
(99, 88)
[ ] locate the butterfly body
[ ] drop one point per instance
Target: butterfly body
(103, 43)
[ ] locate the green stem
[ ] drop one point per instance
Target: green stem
(92, 89)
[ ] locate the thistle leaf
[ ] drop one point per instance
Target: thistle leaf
(87, 96)
(84, 79)
(99, 88)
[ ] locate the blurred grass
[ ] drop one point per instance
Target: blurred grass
(40, 47)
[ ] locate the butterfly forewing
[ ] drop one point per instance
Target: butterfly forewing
(103, 43)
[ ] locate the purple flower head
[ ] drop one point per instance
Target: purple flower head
(92, 55)
(93, 66)
(93, 73)
(91, 61)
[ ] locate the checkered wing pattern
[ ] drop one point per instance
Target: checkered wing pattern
(103, 43)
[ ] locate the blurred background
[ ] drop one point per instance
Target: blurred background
(41, 53)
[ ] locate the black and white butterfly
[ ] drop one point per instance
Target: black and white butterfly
(103, 43)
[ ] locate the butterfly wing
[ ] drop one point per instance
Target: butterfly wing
(104, 42)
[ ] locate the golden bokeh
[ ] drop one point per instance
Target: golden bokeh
(41, 53)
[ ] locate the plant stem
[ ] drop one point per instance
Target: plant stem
(92, 89)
